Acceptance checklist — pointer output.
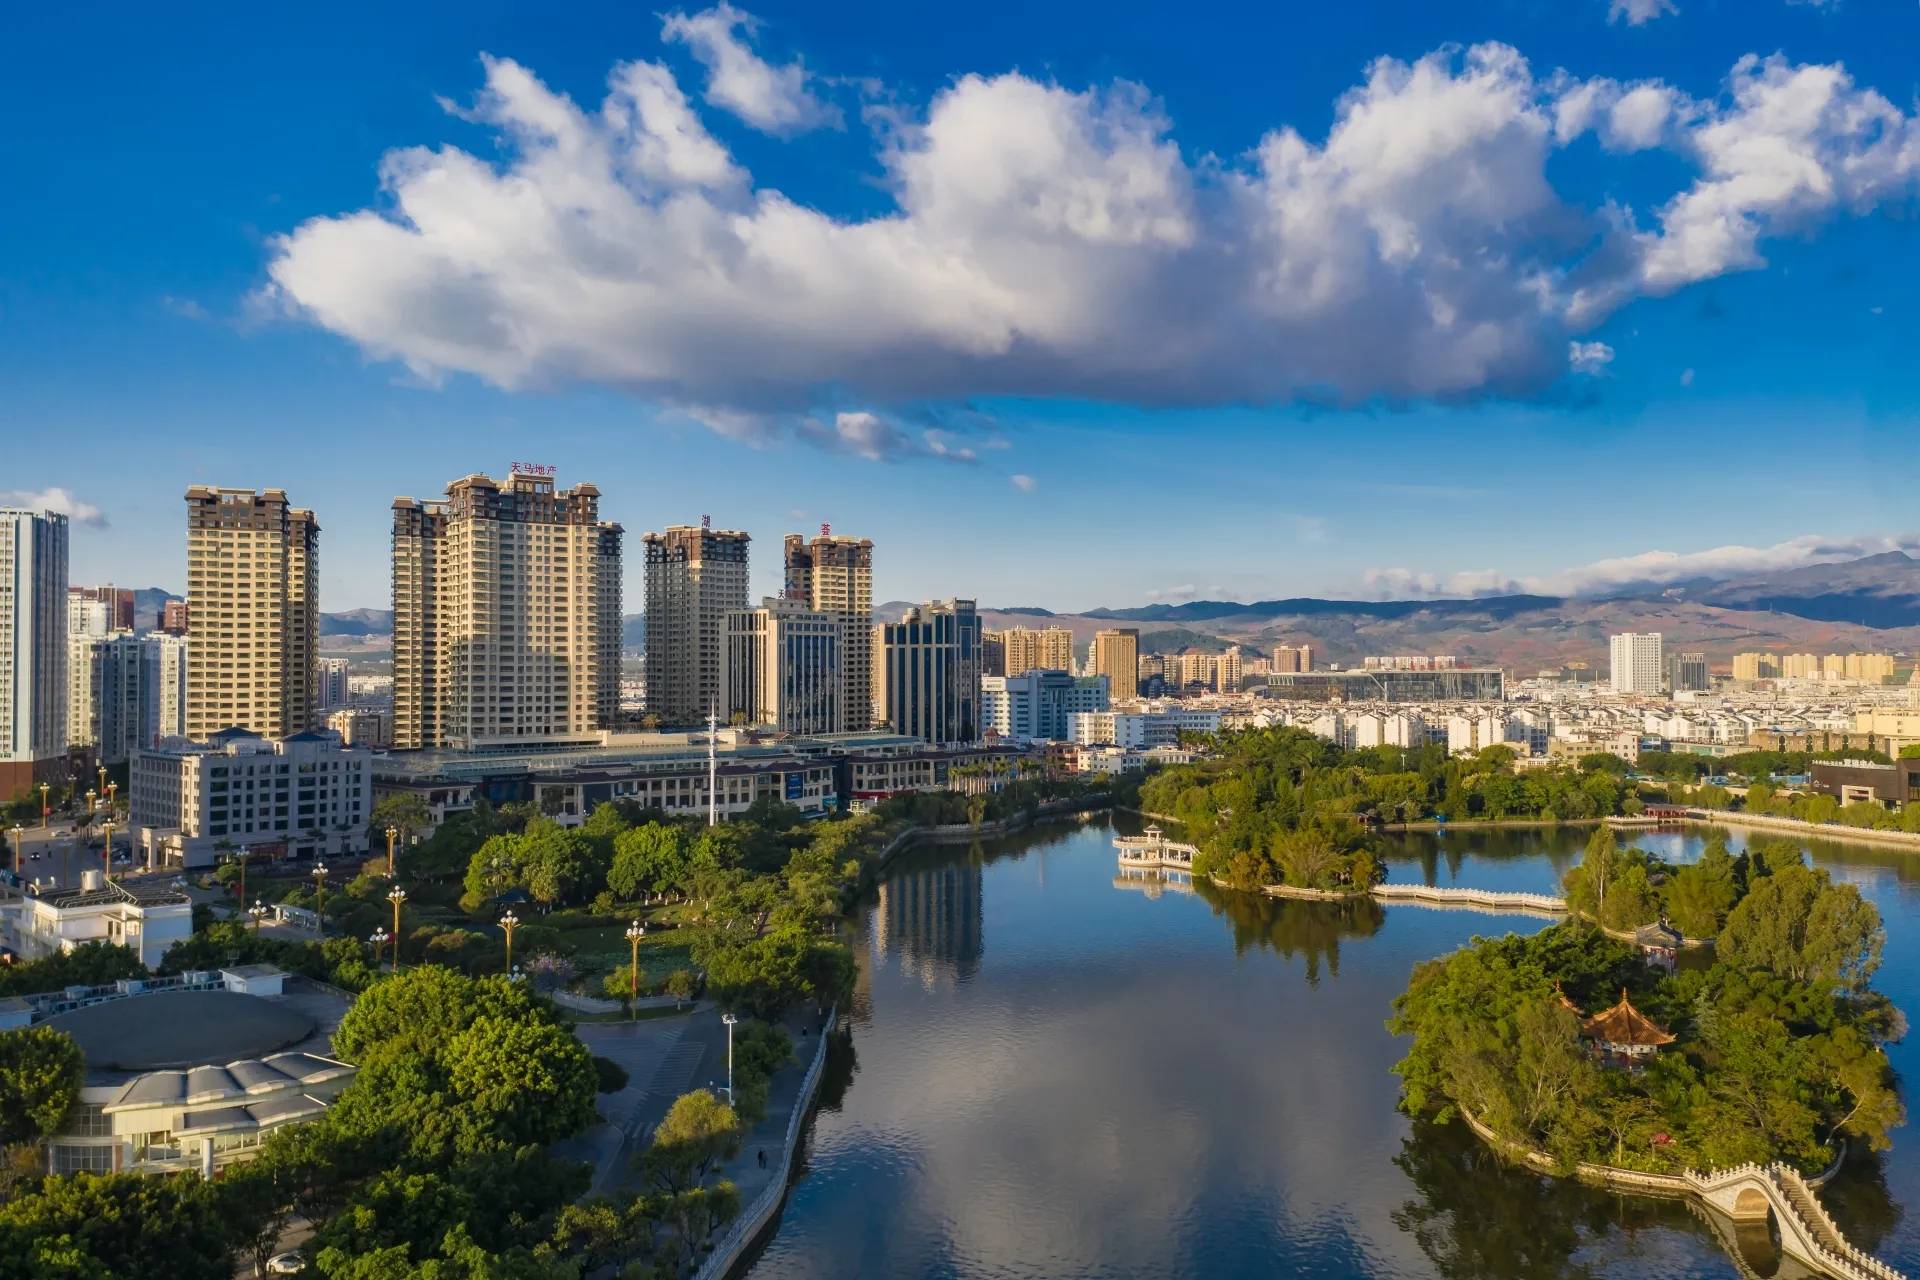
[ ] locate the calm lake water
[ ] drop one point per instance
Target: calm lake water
(1051, 1075)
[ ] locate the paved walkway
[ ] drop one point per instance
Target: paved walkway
(770, 1135)
(663, 1058)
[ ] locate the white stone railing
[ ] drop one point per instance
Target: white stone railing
(1792, 1197)
(1470, 897)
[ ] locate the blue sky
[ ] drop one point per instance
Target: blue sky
(1014, 290)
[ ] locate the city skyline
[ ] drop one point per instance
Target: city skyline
(1784, 338)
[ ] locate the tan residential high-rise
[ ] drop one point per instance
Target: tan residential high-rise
(696, 576)
(1116, 655)
(1293, 658)
(506, 614)
(1037, 649)
(833, 574)
(253, 612)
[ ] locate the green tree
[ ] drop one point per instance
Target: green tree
(95, 1227)
(40, 1075)
(699, 1131)
(650, 858)
(1631, 899)
(1699, 896)
(533, 1082)
(1797, 923)
(416, 1013)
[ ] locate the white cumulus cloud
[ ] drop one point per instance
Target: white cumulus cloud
(1647, 567)
(1589, 357)
(775, 100)
(1639, 12)
(1024, 483)
(1044, 240)
(57, 500)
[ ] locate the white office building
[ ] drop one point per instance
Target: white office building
(1638, 667)
(305, 795)
(1038, 706)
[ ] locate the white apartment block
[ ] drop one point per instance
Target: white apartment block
(1142, 725)
(784, 668)
(506, 615)
(109, 707)
(253, 612)
(1638, 667)
(33, 647)
(1039, 705)
(166, 683)
(330, 684)
(305, 795)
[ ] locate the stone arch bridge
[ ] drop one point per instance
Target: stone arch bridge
(1755, 1192)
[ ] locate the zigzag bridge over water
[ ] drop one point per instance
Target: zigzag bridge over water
(1153, 852)
(1746, 1197)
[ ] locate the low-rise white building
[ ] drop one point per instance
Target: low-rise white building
(306, 794)
(1142, 725)
(146, 919)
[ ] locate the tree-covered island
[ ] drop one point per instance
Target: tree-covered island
(1571, 1043)
(1283, 807)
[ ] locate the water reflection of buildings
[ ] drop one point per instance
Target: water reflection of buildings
(930, 919)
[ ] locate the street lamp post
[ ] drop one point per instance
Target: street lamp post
(103, 778)
(729, 1019)
(392, 871)
(46, 811)
(320, 893)
(379, 940)
(259, 912)
(635, 932)
(19, 844)
(106, 848)
(508, 923)
(396, 897)
(112, 789)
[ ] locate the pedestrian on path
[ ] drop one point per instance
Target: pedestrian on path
(763, 1157)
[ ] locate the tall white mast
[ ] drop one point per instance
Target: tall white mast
(713, 769)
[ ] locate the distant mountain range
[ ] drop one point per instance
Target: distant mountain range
(1871, 603)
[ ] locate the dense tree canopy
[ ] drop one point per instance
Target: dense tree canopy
(1777, 1053)
(40, 1073)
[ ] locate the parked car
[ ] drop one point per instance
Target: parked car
(290, 1263)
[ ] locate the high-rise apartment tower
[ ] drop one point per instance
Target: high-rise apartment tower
(1637, 665)
(696, 576)
(1116, 655)
(506, 614)
(33, 648)
(833, 574)
(253, 612)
